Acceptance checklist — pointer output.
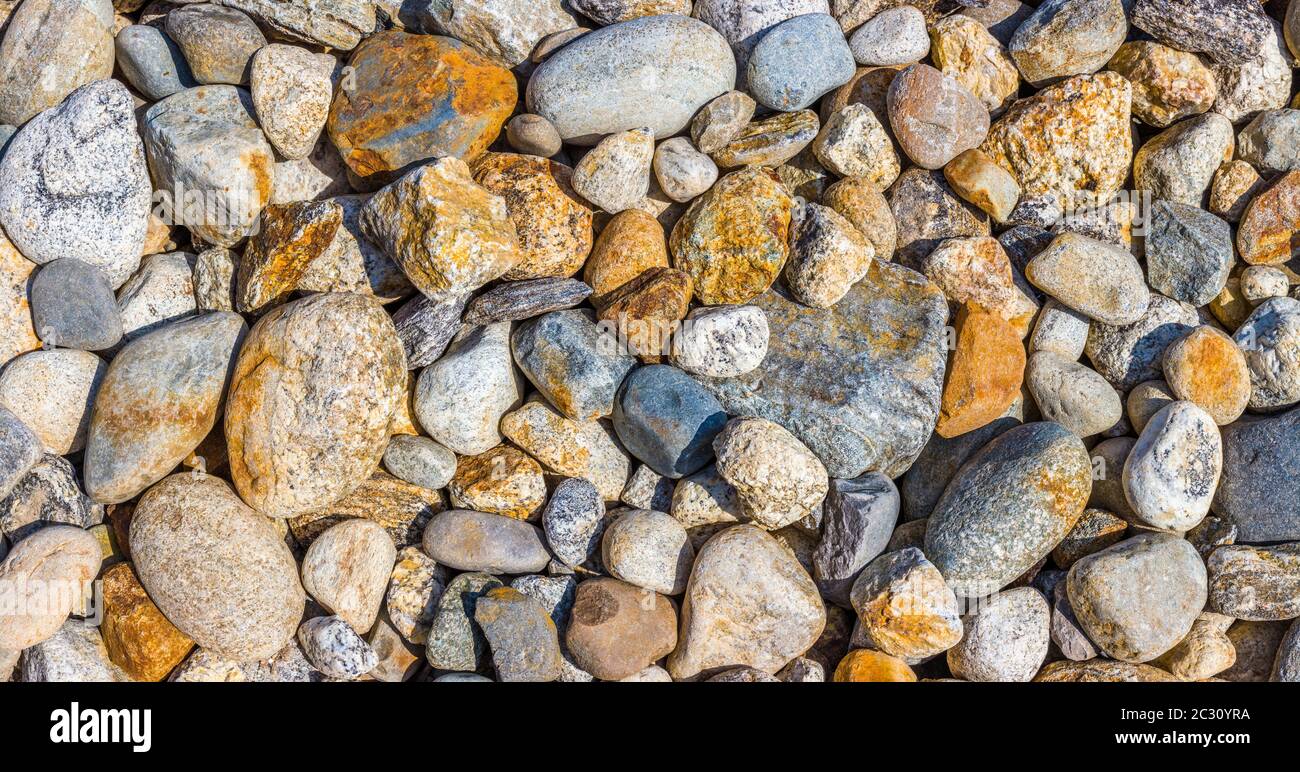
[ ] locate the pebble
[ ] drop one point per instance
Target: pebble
(335, 649)
(975, 177)
(643, 314)
(853, 143)
(53, 391)
(1006, 640)
(705, 500)
(893, 36)
(1044, 477)
(1205, 652)
(722, 120)
(1127, 355)
(502, 481)
(74, 654)
(647, 489)
(1255, 583)
(329, 23)
(1139, 598)
(521, 635)
(827, 256)
(414, 589)
(152, 62)
(346, 570)
(137, 637)
(74, 184)
(632, 242)
(160, 397)
(618, 631)
(1168, 84)
(1072, 395)
(1100, 281)
(508, 30)
(985, 372)
(971, 55)
(1206, 367)
(683, 172)
(1234, 185)
(1179, 164)
(648, 549)
(310, 401)
(218, 570)
(778, 480)
(292, 90)
(73, 306)
(455, 642)
(722, 341)
(420, 461)
(734, 240)
(464, 540)
(1101, 671)
(1270, 339)
(577, 367)
(460, 399)
(51, 49)
(1286, 668)
(574, 521)
(1258, 283)
(1188, 252)
(1145, 400)
(859, 516)
(977, 270)
(588, 450)
(748, 603)
(1172, 472)
(904, 607)
(1270, 141)
(1257, 487)
(218, 42)
(1068, 37)
(654, 71)
(533, 135)
(934, 117)
(798, 60)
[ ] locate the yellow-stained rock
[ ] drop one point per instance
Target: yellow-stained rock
(977, 269)
(648, 310)
(975, 177)
(985, 373)
(139, 638)
(16, 333)
(502, 481)
(1100, 671)
(401, 508)
(864, 665)
(291, 237)
(1234, 185)
(586, 449)
(965, 51)
(1205, 366)
(1270, 222)
(631, 243)
(1168, 84)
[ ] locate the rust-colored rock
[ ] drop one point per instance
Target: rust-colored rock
(1100, 671)
(617, 629)
(865, 665)
(277, 257)
(1206, 367)
(401, 508)
(16, 333)
(985, 372)
(552, 224)
(1270, 222)
(648, 310)
(1168, 84)
(139, 638)
(408, 98)
(734, 240)
(503, 481)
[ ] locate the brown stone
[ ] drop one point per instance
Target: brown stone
(965, 51)
(277, 257)
(139, 638)
(648, 310)
(631, 243)
(552, 224)
(978, 270)
(867, 210)
(617, 629)
(734, 240)
(985, 373)
(864, 665)
(934, 117)
(769, 142)
(1230, 307)
(1270, 223)
(401, 508)
(869, 86)
(926, 212)
(1095, 530)
(1233, 187)
(1205, 366)
(975, 177)
(1100, 671)
(1168, 84)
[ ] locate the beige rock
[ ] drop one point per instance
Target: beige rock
(310, 402)
(1205, 652)
(615, 174)
(648, 549)
(1179, 163)
(292, 91)
(502, 481)
(552, 224)
(1168, 84)
(586, 449)
(16, 333)
(862, 204)
(777, 478)
(50, 48)
(853, 143)
(965, 51)
(977, 270)
(351, 263)
(904, 607)
(1234, 185)
(347, 570)
(976, 178)
(52, 391)
(1098, 280)
(47, 575)
(401, 508)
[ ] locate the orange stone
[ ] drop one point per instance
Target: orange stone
(503, 481)
(985, 372)
(1270, 222)
(290, 238)
(139, 638)
(648, 310)
(632, 242)
(864, 665)
(1206, 367)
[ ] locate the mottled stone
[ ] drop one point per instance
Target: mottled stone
(292, 91)
(1168, 84)
(347, 568)
(334, 648)
(420, 461)
(583, 449)
(414, 589)
(1101, 671)
(16, 333)
(1188, 251)
(1206, 367)
(934, 117)
(618, 629)
(1270, 339)
(218, 42)
(476, 541)
(1127, 355)
(1258, 487)
(1060, 330)
(648, 549)
(769, 142)
(968, 53)
(646, 312)
(58, 557)
(1178, 164)
(939, 460)
(1256, 583)
(1100, 281)
(501, 481)
(721, 120)
(331, 23)
(721, 342)
(1006, 640)
(1205, 652)
(1262, 82)
(904, 607)
(1229, 31)
(50, 48)
(47, 494)
(683, 173)
(976, 178)
(460, 399)
(926, 211)
(508, 30)
(455, 642)
(522, 637)
(1095, 530)
(74, 654)
(52, 391)
(1171, 473)
(1072, 395)
(1235, 184)
(893, 36)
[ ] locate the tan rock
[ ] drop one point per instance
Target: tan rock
(1168, 84)
(965, 51)
(977, 270)
(586, 449)
(552, 224)
(1097, 279)
(53, 391)
(1100, 671)
(976, 178)
(904, 607)
(769, 142)
(1205, 366)
(853, 143)
(827, 256)
(290, 238)
(502, 481)
(401, 508)
(347, 569)
(62, 558)
(777, 479)
(985, 373)
(1095, 530)
(314, 391)
(862, 204)
(292, 90)
(865, 665)
(648, 310)
(1179, 163)
(1233, 187)
(138, 637)
(1270, 222)
(1205, 652)
(934, 117)
(632, 242)
(50, 48)
(16, 333)
(1231, 307)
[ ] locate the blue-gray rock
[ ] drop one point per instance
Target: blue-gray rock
(940, 459)
(518, 300)
(798, 61)
(743, 24)
(1189, 252)
(1271, 142)
(858, 518)
(479, 541)
(455, 642)
(656, 72)
(152, 62)
(521, 635)
(1127, 355)
(20, 450)
(420, 461)
(576, 366)
(1259, 488)
(47, 495)
(427, 326)
(574, 520)
(858, 383)
(73, 306)
(1008, 507)
(668, 420)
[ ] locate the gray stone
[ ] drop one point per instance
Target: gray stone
(1137, 599)
(1263, 82)
(533, 135)
(1286, 667)
(73, 306)
(892, 37)
(73, 183)
(20, 450)
(1271, 142)
(1060, 330)
(939, 460)
(858, 518)
(573, 520)
(721, 121)
(1072, 395)
(1171, 474)
(414, 589)
(683, 173)
(508, 30)
(647, 489)
(1068, 37)
(292, 89)
(337, 24)
(1005, 640)
(743, 25)
(465, 540)
(50, 48)
(334, 648)
(615, 174)
(1189, 252)
(1256, 583)
(1099, 280)
(654, 71)
(420, 461)
(858, 383)
(521, 635)
(927, 212)
(1008, 507)
(48, 494)
(576, 366)
(1259, 488)
(152, 62)
(797, 61)
(218, 43)
(519, 300)
(427, 326)
(668, 420)
(460, 399)
(455, 641)
(1179, 163)
(1270, 339)
(75, 654)
(1127, 355)
(161, 292)
(1066, 632)
(1229, 31)
(648, 549)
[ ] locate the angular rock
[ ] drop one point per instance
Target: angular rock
(904, 607)
(523, 639)
(508, 30)
(1068, 37)
(985, 373)
(1172, 472)
(455, 641)
(331, 23)
(581, 449)
(1188, 251)
(572, 362)
(1229, 31)
(1270, 339)
(1258, 487)
(139, 639)
(502, 481)
(460, 399)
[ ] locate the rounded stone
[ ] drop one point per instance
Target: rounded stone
(904, 607)
(346, 570)
(53, 391)
(668, 420)
(1179, 163)
(573, 521)
(1137, 599)
(722, 341)
(533, 135)
(648, 549)
(52, 47)
(151, 61)
(576, 365)
(311, 399)
(934, 117)
(1270, 339)
(1068, 37)
(139, 639)
(615, 174)
(655, 71)
(1172, 472)
(1072, 395)
(502, 481)
(985, 372)
(1060, 330)
(617, 630)
(866, 666)
(631, 243)
(218, 570)
(893, 36)
(335, 649)
(1099, 280)
(683, 172)
(477, 541)
(420, 461)
(778, 479)
(58, 556)
(583, 449)
(1206, 367)
(460, 399)
(73, 306)
(1006, 640)
(218, 42)
(1256, 583)
(799, 60)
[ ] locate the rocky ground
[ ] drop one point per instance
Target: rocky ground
(649, 340)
